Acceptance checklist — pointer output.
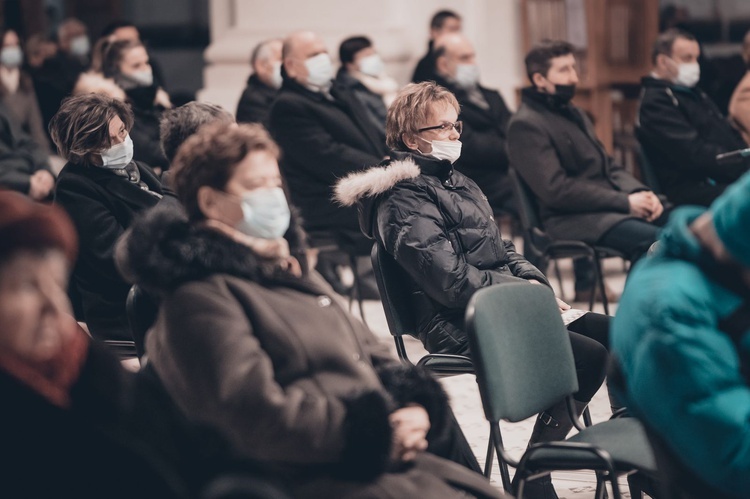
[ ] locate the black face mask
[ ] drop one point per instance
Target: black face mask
(564, 94)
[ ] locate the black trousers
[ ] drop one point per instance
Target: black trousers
(589, 337)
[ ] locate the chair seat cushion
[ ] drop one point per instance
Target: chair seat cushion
(447, 365)
(624, 439)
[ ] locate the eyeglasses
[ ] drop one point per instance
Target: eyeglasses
(445, 127)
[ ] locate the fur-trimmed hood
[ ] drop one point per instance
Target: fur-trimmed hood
(162, 250)
(364, 187)
(373, 181)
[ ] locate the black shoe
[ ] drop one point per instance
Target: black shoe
(540, 488)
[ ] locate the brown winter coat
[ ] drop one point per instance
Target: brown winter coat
(280, 368)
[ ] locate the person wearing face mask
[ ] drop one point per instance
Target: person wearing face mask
(437, 224)
(362, 73)
(324, 133)
(17, 89)
(485, 120)
(255, 103)
(127, 63)
(102, 188)
(680, 129)
(286, 375)
(582, 194)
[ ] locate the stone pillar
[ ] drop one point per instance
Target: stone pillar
(398, 29)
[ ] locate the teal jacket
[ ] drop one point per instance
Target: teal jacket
(682, 374)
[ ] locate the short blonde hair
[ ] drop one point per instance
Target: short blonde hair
(412, 109)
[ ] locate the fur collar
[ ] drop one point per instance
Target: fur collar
(163, 249)
(374, 181)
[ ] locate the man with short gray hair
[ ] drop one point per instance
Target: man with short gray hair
(255, 104)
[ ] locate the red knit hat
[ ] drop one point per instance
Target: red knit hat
(27, 224)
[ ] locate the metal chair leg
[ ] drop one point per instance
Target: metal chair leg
(497, 440)
(602, 288)
(489, 459)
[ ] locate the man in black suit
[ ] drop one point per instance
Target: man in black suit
(485, 120)
(255, 103)
(582, 194)
(443, 22)
(324, 134)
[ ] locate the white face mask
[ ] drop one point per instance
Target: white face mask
(372, 65)
(11, 57)
(467, 75)
(119, 155)
(80, 46)
(144, 78)
(320, 70)
(688, 74)
(276, 78)
(265, 213)
(444, 149)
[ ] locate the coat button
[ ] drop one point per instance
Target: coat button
(324, 301)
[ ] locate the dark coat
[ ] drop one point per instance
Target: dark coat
(425, 69)
(273, 362)
(581, 192)
(54, 81)
(102, 205)
(145, 131)
(484, 157)
(24, 106)
(371, 103)
(20, 156)
(255, 103)
(322, 140)
(439, 227)
(121, 437)
(681, 131)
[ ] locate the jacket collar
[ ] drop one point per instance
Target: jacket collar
(120, 187)
(530, 95)
(658, 83)
(442, 169)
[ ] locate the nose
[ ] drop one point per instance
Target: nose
(454, 135)
(574, 76)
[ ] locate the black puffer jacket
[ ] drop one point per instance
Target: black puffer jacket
(439, 227)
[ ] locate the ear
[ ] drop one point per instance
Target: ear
(410, 141)
(208, 202)
(441, 65)
(538, 80)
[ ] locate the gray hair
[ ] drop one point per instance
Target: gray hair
(178, 124)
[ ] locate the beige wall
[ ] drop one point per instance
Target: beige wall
(398, 29)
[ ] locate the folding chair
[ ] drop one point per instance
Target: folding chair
(542, 246)
(524, 365)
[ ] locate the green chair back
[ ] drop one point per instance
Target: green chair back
(521, 350)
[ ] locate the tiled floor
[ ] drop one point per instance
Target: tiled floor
(467, 405)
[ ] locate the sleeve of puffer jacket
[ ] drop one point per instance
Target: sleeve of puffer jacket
(413, 231)
(218, 372)
(520, 266)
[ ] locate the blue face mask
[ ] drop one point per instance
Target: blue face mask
(265, 213)
(11, 57)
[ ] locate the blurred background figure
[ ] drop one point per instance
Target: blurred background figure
(739, 104)
(122, 30)
(444, 21)
(262, 85)
(127, 63)
(17, 89)
(362, 73)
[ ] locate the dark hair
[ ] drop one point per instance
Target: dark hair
(179, 123)
(539, 58)
(115, 25)
(114, 54)
(349, 48)
(81, 125)
(210, 156)
(439, 18)
(665, 41)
